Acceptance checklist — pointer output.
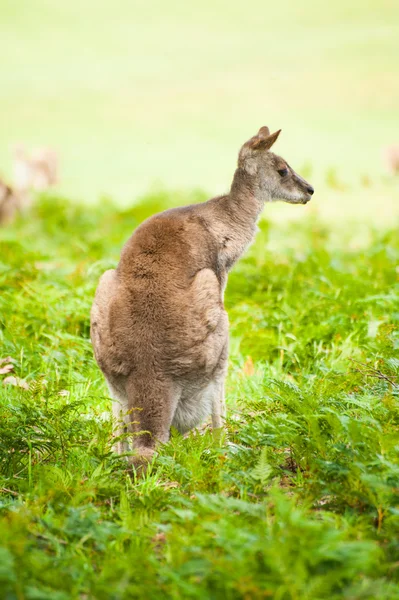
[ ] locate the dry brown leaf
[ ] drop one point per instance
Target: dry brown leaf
(159, 538)
(16, 381)
(6, 369)
(7, 359)
(170, 484)
(249, 368)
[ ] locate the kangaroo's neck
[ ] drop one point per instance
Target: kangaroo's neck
(245, 203)
(236, 215)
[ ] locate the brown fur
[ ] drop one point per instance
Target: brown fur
(158, 325)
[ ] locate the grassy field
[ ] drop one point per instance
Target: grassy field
(137, 94)
(299, 501)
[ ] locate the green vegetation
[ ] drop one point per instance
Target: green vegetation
(299, 501)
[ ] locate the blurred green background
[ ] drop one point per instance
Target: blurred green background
(137, 95)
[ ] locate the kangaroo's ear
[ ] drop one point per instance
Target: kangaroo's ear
(265, 139)
(262, 141)
(272, 138)
(264, 132)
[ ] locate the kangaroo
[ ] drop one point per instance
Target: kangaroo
(158, 324)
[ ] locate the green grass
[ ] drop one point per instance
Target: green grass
(299, 501)
(141, 94)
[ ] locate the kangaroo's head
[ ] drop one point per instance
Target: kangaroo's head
(272, 177)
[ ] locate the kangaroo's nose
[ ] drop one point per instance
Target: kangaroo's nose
(310, 190)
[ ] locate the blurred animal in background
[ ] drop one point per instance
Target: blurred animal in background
(32, 172)
(9, 203)
(391, 157)
(35, 171)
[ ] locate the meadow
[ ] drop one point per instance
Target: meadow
(299, 499)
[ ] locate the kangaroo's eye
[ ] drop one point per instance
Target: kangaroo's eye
(282, 172)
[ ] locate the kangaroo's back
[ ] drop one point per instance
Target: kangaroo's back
(157, 299)
(169, 247)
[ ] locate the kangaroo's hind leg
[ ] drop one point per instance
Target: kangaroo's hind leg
(219, 407)
(219, 402)
(152, 404)
(120, 413)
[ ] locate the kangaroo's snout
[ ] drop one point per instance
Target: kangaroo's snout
(310, 192)
(303, 188)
